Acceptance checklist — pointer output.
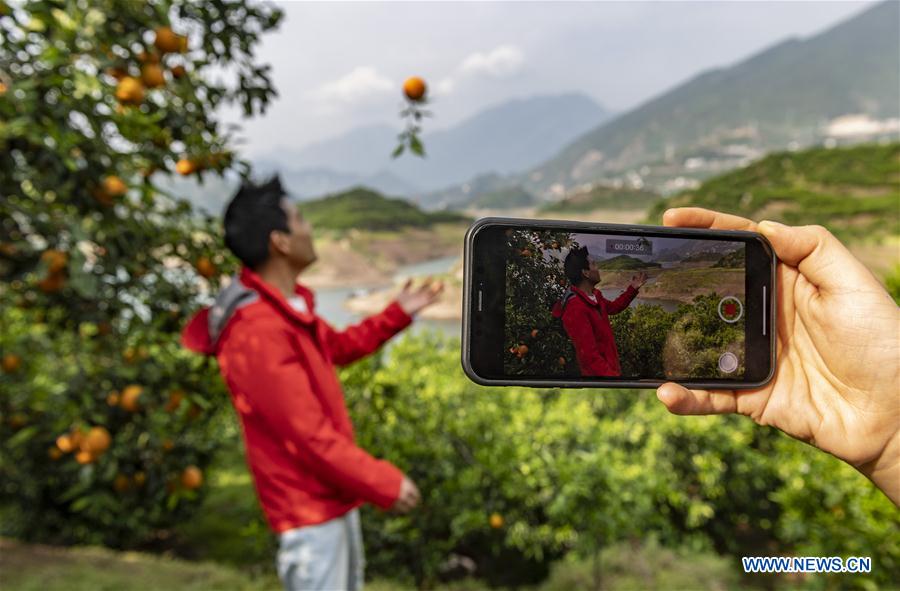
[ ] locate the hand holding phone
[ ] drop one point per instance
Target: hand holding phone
(571, 304)
(838, 346)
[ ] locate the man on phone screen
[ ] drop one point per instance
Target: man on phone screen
(585, 314)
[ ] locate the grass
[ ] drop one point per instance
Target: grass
(48, 568)
(28, 567)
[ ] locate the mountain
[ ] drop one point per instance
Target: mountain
(308, 183)
(363, 208)
(505, 138)
(781, 98)
(211, 196)
(852, 191)
(601, 197)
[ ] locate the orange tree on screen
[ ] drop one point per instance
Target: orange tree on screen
(535, 342)
(106, 424)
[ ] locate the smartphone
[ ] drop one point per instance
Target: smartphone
(550, 303)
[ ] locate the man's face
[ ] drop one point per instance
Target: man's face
(299, 245)
(592, 273)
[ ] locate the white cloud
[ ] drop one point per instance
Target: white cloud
(360, 84)
(501, 62)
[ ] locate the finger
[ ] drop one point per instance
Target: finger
(819, 256)
(681, 401)
(698, 217)
(408, 284)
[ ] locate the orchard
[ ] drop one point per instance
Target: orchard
(107, 426)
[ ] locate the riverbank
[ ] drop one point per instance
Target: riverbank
(364, 259)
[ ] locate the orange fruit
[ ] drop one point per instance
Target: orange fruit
(84, 457)
(101, 195)
(191, 477)
(194, 412)
(152, 76)
(54, 453)
(52, 283)
(178, 71)
(130, 91)
(534, 332)
(205, 267)
(175, 398)
(414, 88)
(121, 483)
(148, 57)
(496, 520)
(139, 479)
(118, 72)
(129, 354)
(18, 420)
(114, 186)
(96, 441)
(129, 398)
(522, 350)
(56, 260)
(65, 444)
(186, 166)
(112, 398)
(561, 361)
(11, 362)
(166, 40)
(2, 88)
(168, 444)
(182, 43)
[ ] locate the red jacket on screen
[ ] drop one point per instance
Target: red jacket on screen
(278, 364)
(587, 324)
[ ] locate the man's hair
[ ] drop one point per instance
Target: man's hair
(253, 213)
(576, 262)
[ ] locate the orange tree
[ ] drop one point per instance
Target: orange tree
(534, 341)
(106, 425)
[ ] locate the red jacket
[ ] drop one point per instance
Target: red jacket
(587, 324)
(278, 364)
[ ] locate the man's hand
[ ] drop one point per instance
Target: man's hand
(409, 496)
(835, 385)
(638, 280)
(413, 300)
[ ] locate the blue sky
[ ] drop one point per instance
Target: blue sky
(339, 65)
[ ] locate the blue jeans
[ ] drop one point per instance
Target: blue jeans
(323, 557)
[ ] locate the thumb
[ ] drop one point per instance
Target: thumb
(820, 257)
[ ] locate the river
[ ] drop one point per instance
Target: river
(330, 301)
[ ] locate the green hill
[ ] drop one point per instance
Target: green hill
(781, 95)
(733, 260)
(854, 192)
(364, 209)
(625, 262)
(504, 199)
(602, 197)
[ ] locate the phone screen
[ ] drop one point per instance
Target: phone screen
(577, 304)
(594, 306)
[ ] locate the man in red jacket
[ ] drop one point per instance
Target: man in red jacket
(278, 357)
(585, 314)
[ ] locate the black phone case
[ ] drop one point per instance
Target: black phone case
(600, 227)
